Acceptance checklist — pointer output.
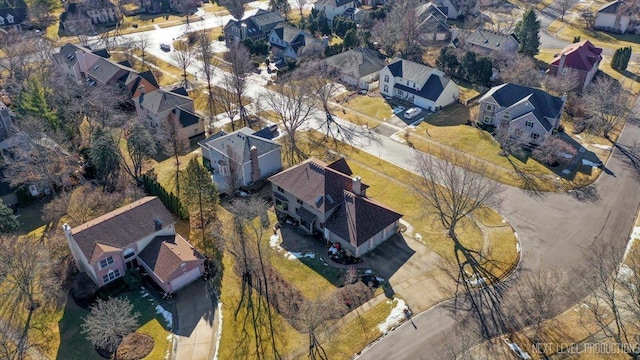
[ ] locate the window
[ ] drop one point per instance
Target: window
(518, 132)
(564, 71)
(10, 19)
(386, 78)
(112, 275)
(280, 189)
(224, 170)
(106, 262)
(487, 120)
(528, 124)
(535, 136)
(1, 20)
(282, 205)
(489, 107)
(506, 116)
(129, 253)
(386, 88)
(299, 201)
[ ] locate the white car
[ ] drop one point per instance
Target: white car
(411, 113)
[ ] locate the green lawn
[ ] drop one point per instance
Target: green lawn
(73, 344)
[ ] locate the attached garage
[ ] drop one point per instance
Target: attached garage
(186, 278)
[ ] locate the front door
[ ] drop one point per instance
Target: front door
(133, 264)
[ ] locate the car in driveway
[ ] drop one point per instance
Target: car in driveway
(398, 109)
(413, 112)
(165, 47)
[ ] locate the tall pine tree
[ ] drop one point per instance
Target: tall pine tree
(199, 194)
(528, 33)
(33, 102)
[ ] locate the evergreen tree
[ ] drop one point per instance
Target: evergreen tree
(8, 221)
(621, 58)
(351, 39)
(484, 70)
(33, 102)
(528, 33)
(576, 39)
(105, 158)
(447, 61)
(199, 194)
(281, 6)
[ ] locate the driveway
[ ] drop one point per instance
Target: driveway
(195, 323)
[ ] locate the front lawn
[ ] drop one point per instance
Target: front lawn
(374, 106)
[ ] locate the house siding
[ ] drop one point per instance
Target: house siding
(118, 264)
(606, 21)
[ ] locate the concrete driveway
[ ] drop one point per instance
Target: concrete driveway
(195, 323)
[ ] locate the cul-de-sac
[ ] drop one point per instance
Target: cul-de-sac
(319, 179)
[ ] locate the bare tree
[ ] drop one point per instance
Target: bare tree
(235, 7)
(17, 47)
(453, 187)
(561, 84)
(29, 283)
(140, 146)
(606, 104)
(79, 25)
(239, 58)
(554, 151)
(142, 43)
(187, 7)
(300, 5)
(563, 7)
(512, 140)
(293, 105)
(174, 144)
(109, 322)
(204, 53)
(517, 69)
(614, 304)
(183, 56)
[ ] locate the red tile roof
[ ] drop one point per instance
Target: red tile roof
(580, 56)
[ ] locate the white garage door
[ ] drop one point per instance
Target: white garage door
(185, 279)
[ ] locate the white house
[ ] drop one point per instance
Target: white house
(240, 158)
(528, 111)
(420, 84)
(333, 8)
(612, 17)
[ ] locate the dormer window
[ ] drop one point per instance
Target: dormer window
(1, 20)
(10, 19)
(96, 67)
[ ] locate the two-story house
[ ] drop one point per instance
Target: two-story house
(289, 42)
(433, 22)
(357, 67)
(13, 14)
(614, 16)
(75, 60)
(254, 27)
(333, 8)
(328, 199)
(154, 107)
(240, 158)
(419, 84)
(487, 42)
(141, 234)
(530, 112)
(582, 57)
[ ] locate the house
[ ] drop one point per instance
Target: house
(137, 83)
(141, 234)
(454, 9)
(76, 59)
(528, 111)
(328, 199)
(254, 27)
(357, 67)
(7, 122)
(106, 72)
(13, 14)
(290, 42)
(433, 22)
(333, 8)
(191, 124)
(98, 11)
(154, 107)
(419, 84)
(487, 42)
(582, 57)
(240, 158)
(613, 16)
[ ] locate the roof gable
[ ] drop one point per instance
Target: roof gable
(410, 70)
(580, 56)
(123, 226)
(489, 39)
(610, 7)
(237, 145)
(357, 62)
(165, 255)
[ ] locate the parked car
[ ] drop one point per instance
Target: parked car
(165, 47)
(413, 112)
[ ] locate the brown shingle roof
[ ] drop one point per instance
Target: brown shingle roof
(165, 254)
(122, 227)
(359, 218)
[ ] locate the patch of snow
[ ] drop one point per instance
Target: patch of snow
(476, 280)
(417, 237)
(379, 279)
(589, 163)
(273, 241)
(170, 337)
(516, 349)
(518, 248)
(296, 255)
(219, 332)
(624, 272)
(566, 172)
(168, 317)
(395, 317)
(635, 234)
(368, 271)
(603, 147)
(144, 292)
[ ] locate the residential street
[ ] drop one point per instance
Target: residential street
(555, 229)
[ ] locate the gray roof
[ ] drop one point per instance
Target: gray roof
(239, 143)
(610, 7)
(431, 90)
(123, 226)
(357, 62)
(406, 69)
(431, 9)
(264, 18)
(16, 8)
(488, 39)
(545, 105)
(334, 3)
(286, 32)
(186, 117)
(67, 54)
(161, 100)
(104, 70)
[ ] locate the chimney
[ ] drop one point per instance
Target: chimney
(563, 58)
(356, 185)
(67, 229)
(325, 40)
(243, 31)
(158, 224)
(255, 166)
